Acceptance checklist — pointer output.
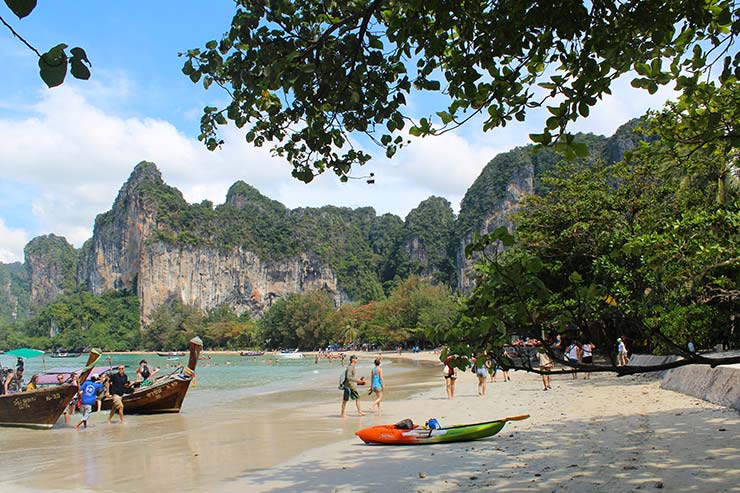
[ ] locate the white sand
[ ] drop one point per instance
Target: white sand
(603, 434)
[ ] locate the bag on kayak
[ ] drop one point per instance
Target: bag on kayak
(433, 424)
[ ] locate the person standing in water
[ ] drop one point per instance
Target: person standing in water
(377, 384)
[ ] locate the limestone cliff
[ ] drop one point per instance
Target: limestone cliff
(509, 177)
(140, 245)
(111, 259)
(51, 262)
(207, 278)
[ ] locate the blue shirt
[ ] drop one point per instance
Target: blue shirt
(89, 391)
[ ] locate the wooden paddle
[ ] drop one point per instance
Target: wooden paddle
(515, 418)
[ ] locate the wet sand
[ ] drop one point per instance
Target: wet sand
(193, 450)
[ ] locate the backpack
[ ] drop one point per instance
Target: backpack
(342, 379)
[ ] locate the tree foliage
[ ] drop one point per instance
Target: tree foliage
(645, 248)
(54, 63)
(305, 76)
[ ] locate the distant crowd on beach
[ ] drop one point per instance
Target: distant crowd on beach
(572, 356)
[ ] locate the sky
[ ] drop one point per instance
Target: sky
(66, 152)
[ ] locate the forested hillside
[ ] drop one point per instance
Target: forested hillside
(155, 258)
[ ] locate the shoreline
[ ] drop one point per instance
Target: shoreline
(603, 434)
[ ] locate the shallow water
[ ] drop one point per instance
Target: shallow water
(238, 417)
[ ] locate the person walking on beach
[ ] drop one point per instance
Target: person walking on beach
(450, 376)
(574, 356)
(350, 387)
(622, 357)
(88, 397)
(587, 356)
(377, 384)
(504, 367)
(482, 373)
(546, 366)
(117, 385)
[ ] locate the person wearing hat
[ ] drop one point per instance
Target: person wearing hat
(88, 396)
(350, 387)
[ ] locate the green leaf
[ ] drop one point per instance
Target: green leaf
(580, 149)
(533, 264)
(79, 63)
(21, 8)
(376, 43)
(79, 69)
(53, 65)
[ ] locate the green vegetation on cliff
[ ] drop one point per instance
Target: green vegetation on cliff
(57, 258)
(15, 292)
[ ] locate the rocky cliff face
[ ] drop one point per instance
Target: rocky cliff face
(128, 252)
(521, 183)
(207, 278)
(252, 250)
(51, 262)
(111, 259)
(509, 177)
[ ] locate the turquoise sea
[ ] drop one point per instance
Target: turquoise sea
(223, 377)
(240, 414)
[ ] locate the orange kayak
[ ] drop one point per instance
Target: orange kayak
(393, 435)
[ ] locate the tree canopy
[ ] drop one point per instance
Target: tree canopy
(308, 77)
(644, 248)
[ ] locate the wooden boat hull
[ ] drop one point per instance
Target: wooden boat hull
(36, 409)
(166, 394)
(391, 435)
(40, 408)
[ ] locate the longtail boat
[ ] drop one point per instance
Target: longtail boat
(61, 354)
(166, 394)
(42, 407)
(416, 435)
(251, 353)
(165, 354)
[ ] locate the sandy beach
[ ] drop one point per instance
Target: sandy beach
(603, 434)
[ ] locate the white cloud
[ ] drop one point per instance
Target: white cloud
(12, 242)
(77, 156)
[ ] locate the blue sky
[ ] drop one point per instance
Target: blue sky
(65, 152)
